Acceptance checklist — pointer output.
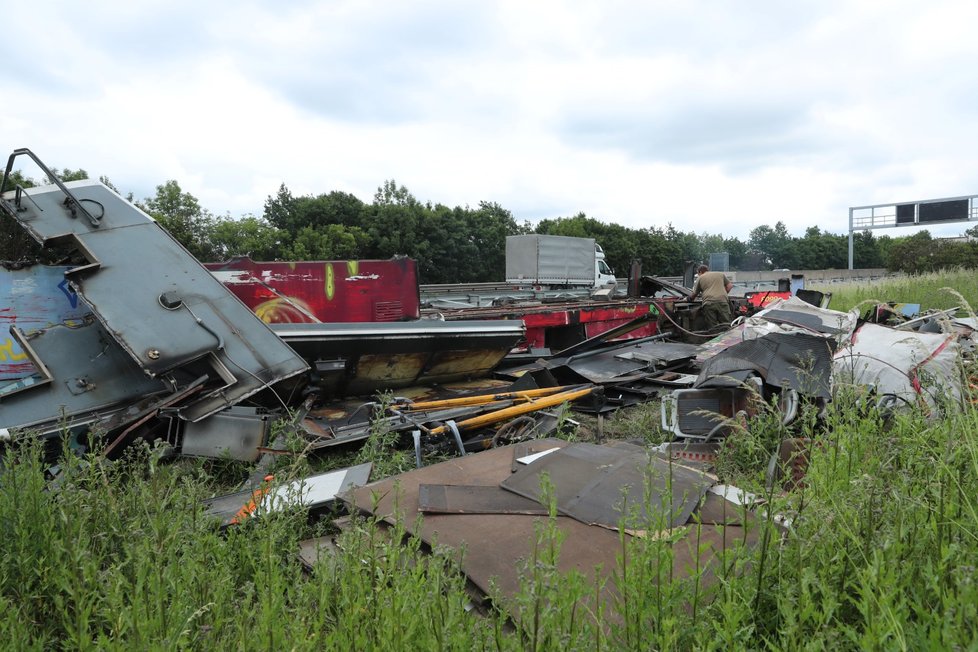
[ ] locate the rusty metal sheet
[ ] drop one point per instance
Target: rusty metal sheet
(473, 499)
(605, 485)
(312, 550)
(496, 545)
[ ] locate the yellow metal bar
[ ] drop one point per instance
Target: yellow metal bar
(516, 410)
(525, 395)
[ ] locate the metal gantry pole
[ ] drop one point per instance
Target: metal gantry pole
(850, 239)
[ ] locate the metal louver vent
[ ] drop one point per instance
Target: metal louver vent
(388, 311)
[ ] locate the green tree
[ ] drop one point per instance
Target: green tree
(913, 254)
(820, 250)
(685, 246)
(774, 245)
(291, 213)
(330, 242)
(737, 250)
(68, 175)
(868, 251)
(181, 215)
(249, 236)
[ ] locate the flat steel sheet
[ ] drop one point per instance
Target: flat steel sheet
(609, 486)
(716, 510)
(471, 499)
(497, 546)
(312, 550)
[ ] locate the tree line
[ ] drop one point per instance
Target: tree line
(466, 244)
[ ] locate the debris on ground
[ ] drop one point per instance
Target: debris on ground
(132, 339)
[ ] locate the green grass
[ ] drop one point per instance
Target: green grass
(881, 554)
(929, 290)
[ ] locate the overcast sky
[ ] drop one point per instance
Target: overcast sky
(712, 116)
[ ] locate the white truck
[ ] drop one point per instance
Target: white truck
(538, 268)
(556, 261)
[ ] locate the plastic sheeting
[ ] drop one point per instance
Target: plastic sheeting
(905, 366)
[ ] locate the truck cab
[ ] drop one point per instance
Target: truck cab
(603, 274)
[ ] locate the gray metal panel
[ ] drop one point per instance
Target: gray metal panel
(626, 359)
(605, 485)
(133, 263)
(797, 360)
(88, 375)
(473, 499)
(235, 433)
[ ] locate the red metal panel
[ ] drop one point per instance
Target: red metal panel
(595, 320)
(759, 300)
(329, 291)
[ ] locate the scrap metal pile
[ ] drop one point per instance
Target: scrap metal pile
(155, 337)
(131, 338)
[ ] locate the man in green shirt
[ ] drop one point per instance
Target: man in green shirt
(714, 287)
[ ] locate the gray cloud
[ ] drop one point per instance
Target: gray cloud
(550, 109)
(385, 66)
(736, 138)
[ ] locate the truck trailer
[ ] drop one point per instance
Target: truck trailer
(556, 261)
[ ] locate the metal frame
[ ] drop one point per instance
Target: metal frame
(883, 216)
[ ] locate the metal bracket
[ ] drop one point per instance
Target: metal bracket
(458, 437)
(71, 202)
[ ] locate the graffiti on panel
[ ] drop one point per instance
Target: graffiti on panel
(33, 298)
(284, 310)
(324, 291)
(330, 282)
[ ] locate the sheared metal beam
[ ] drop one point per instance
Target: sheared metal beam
(169, 315)
(365, 358)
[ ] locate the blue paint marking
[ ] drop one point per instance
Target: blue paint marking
(72, 297)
